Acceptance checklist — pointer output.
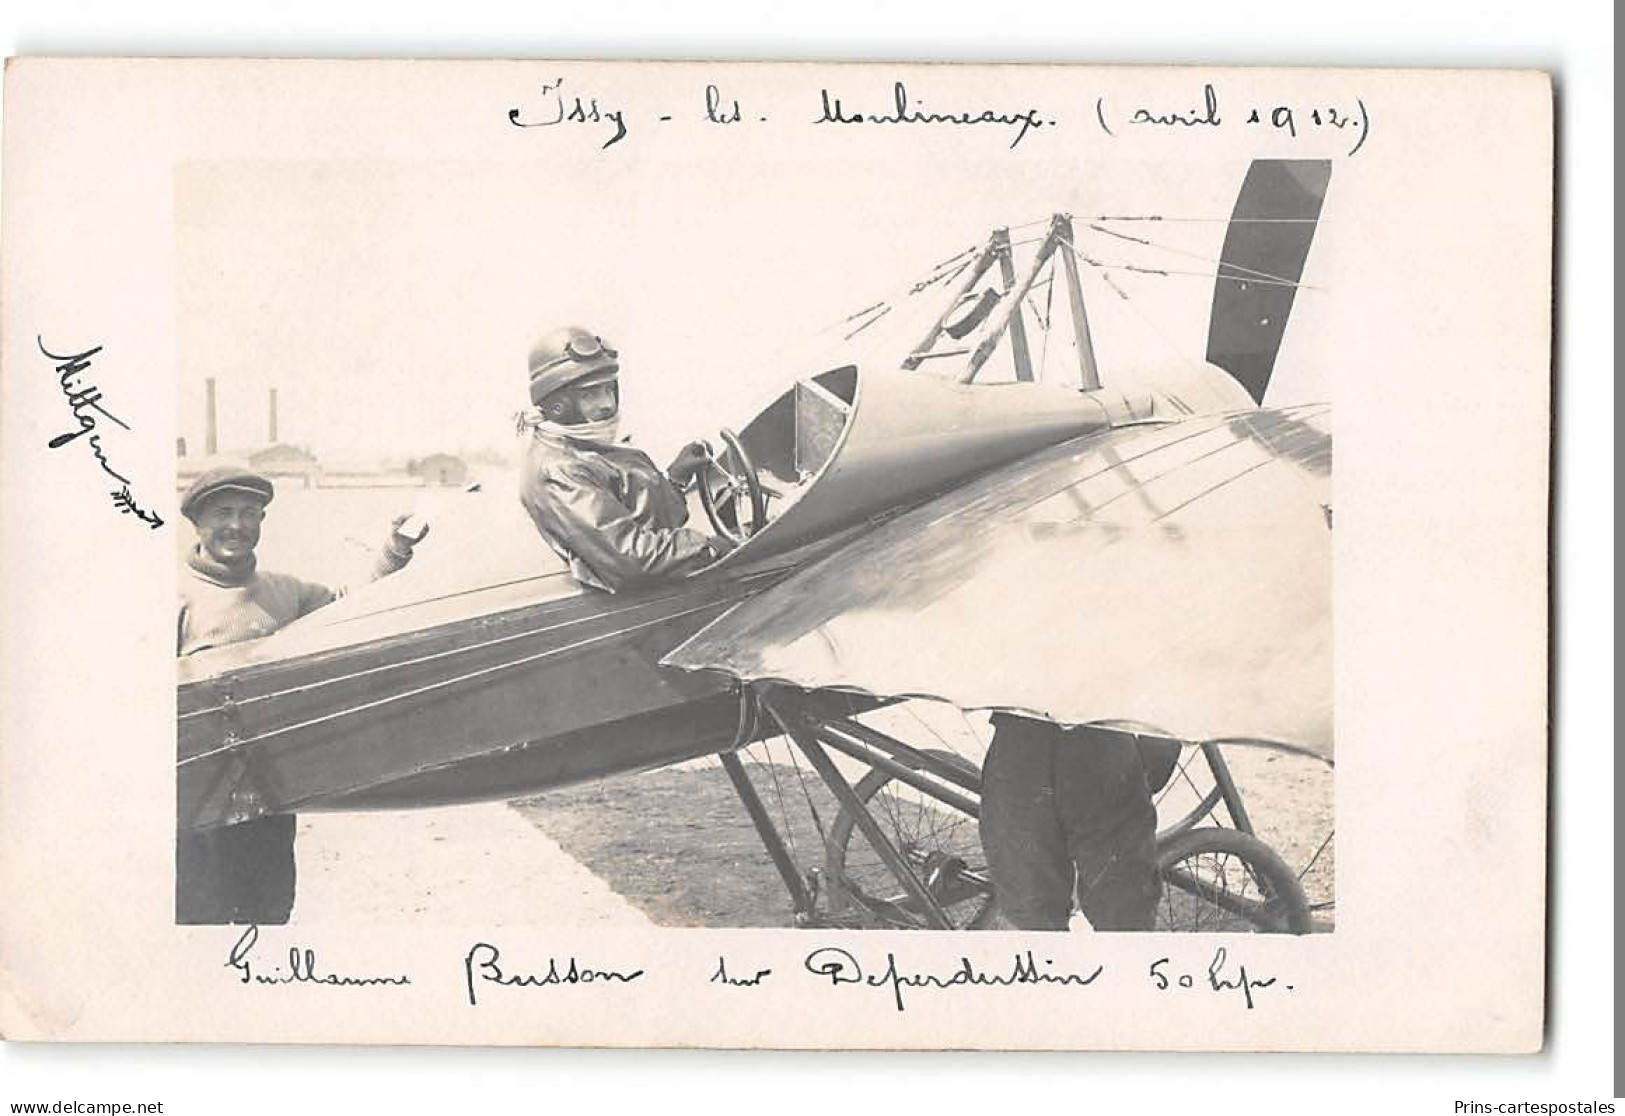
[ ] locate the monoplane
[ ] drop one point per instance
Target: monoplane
(932, 516)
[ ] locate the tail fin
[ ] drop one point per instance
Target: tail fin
(1265, 247)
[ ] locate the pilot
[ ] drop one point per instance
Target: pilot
(606, 508)
(243, 873)
(1067, 819)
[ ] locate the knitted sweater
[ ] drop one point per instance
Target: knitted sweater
(221, 605)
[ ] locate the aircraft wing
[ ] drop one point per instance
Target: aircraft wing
(1176, 574)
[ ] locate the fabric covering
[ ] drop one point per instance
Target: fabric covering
(242, 873)
(1176, 574)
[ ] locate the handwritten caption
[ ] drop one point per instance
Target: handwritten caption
(885, 981)
(88, 409)
(1283, 118)
(557, 106)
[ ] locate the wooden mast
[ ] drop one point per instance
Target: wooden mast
(1018, 324)
(1009, 313)
(1088, 371)
(983, 261)
(1009, 316)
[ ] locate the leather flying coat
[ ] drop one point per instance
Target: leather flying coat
(610, 512)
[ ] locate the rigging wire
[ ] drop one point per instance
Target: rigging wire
(952, 263)
(943, 272)
(1048, 285)
(801, 777)
(1029, 224)
(1261, 275)
(778, 794)
(943, 277)
(871, 308)
(1049, 306)
(948, 269)
(1106, 277)
(1166, 272)
(940, 272)
(926, 725)
(1155, 330)
(1213, 220)
(860, 328)
(963, 253)
(812, 807)
(1323, 844)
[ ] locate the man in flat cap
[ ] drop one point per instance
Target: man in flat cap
(605, 508)
(242, 873)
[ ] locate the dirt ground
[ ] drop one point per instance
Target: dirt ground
(679, 846)
(481, 865)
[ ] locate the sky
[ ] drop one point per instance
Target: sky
(392, 303)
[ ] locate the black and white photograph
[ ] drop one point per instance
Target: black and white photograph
(781, 555)
(970, 624)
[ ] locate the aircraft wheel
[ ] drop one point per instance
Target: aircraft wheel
(1222, 880)
(940, 843)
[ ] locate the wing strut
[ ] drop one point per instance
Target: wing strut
(800, 900)
(800, 730)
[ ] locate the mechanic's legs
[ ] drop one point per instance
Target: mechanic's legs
(266, 871)
(1021, 830)
(1111, 827)
(236, 873)
(203, 893)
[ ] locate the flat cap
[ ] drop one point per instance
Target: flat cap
(236, 477)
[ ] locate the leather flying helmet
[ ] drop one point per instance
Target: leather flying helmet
(566, 356)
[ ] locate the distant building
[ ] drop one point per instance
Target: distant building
(188, 469)
(283, 460)
(440, 468)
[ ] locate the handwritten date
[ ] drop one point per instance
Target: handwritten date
(1293, 120)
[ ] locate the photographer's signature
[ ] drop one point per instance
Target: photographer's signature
(88, 408)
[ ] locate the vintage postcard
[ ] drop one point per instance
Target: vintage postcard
(800, 556)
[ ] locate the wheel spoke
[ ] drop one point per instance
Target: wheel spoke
(941, 845)
(1221, 879)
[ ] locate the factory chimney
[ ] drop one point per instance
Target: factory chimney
(211, 440)
(273, 417)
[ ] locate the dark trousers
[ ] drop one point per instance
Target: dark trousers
(1066, 814)
(236, 874)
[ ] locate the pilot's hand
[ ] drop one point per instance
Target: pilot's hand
(687, 464)
(722, 546)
